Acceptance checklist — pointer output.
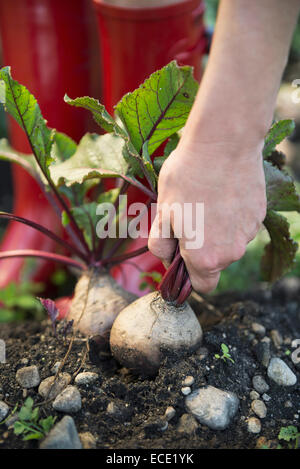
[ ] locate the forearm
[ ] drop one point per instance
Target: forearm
(244, 70)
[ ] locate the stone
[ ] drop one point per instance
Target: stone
(88, 440)
(4, 409)
(62, 436)
(259, 408)
(188, 381)
(276, 338)
(258, 329)
(260, 384)
(263, 352)
(279, 372)
(254, 395)
(266, 397)
(254, 425)
(68, 401)
(212, 406)
(49, 388)
(186, 390)
(86, 378)
(187, 424)
(169, 413)
(28, 377)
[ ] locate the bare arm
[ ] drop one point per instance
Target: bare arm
(218, 160)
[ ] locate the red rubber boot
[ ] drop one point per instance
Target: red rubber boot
(134, 42)
(52, 48)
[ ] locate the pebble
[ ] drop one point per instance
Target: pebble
(4, 409)
(276, 338)
(186, 390)
(266, 397)
(254, 395)
(260, 384)
(28, 377)
(288, 404)
(68, 401)
(169, 413)
(49, 389)
(254, 425)
(88, 440)
(258, 329)
(279, 372)
(62, 436)
(259, 408)
(187, 424)
(188, 381)
(212, 406)
(118, 410)
(85, 378)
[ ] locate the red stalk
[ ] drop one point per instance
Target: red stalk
(42, 255)
(176, 284)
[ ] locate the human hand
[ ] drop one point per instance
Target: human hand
(228, 178)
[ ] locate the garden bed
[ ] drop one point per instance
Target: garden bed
(120, 410)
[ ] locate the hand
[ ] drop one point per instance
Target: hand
(229, 179)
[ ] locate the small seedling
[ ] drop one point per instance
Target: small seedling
(29, 425)
(291, 435)
(226, 355)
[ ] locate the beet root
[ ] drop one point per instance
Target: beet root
(149, 329)
(97, 301)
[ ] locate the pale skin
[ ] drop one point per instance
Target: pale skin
(218, 160)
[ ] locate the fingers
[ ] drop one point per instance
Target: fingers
(160, 246)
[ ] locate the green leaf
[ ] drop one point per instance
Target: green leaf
(86, 218)
(34, 436)
(281, 190)
(171, 144)
(65, 220)
(158, 162)
(64, 147)
(96, 156)
(149, 165)
(276, 134)
(280, 253)
(23, 107)
(101, 116)
(288, 433)
(159, 107)
(225, 349)
(19, 428)
(47, 423)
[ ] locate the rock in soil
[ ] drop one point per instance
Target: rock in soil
(254, 425)
(279, 372)
(28, 377)
(51, 387)
(213, 407)
(86, 378)
(62, 436)
(68, 401)
(259, 408)
(4, 409)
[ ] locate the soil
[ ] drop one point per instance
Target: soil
(227, 318)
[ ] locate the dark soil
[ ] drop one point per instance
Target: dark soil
(143, 402)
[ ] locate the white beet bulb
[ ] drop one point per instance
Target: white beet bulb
(148, 329)
(103, 302)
